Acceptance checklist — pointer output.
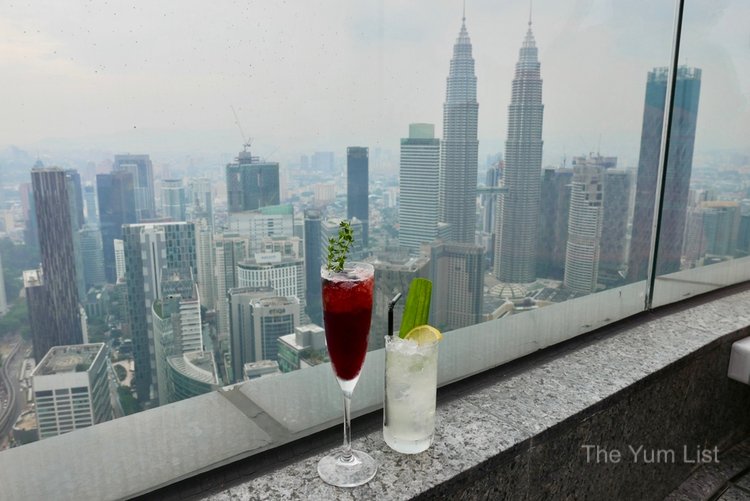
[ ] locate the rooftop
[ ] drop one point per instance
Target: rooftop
(67, 359)
(198, 365)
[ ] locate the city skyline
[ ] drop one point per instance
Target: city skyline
(387, 106)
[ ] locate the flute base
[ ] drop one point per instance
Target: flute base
(337, 471)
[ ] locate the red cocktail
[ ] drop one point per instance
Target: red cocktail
(347, 309)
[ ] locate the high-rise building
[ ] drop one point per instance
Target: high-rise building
(323, 161)
(204, 249)
(584, 229)
(418, 179)
(677, 177)
(71, 389)
(489, 200)
(457, 274)
(306, 347)
(119, 246)
(269, 221)
(191, 374)
(89, 198)
(173, 200)
(201, 202)
(285, 274)
(554, 210)
(116, 196)
(230, 250)
(241, 345)
(457, 180)
(712, 230)
(313, 262)
(51, 199)
(142, 169)
(518, 204)
(75, 198)
(177, 325)
(358, 188)
(617, 189)
(92, 256)
(150, 250)
(252, 184)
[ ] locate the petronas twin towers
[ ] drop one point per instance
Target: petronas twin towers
(518, 203)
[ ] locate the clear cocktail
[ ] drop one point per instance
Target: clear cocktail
(410, 394)
(347, 310)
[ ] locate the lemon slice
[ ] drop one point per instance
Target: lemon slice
(424, 334)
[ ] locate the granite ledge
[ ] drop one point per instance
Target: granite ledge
(506, 409)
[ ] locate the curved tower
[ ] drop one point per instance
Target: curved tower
(518, 204)
(457, 189)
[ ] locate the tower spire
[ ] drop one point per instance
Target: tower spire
(531, 6)
(463, 17)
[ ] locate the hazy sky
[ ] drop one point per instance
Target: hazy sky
(317, 75)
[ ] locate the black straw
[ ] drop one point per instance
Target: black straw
(390, 312)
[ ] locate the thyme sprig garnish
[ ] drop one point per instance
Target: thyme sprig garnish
(338, 247)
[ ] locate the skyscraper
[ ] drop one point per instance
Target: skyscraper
(173, 199)
(418, 180)
(554, 210)
(89, 197)
(457, 274)
(241, 345)
(204, 249)
(201, 199)
(151, 250)
(617, 183)
(677, 177)
(252, 184)
(584, 229)
(358, 188)
(229, 250)
(142, 169)
(53, 214)
(116, 196)
(92, 256)
(518, 204)
(313, 261)
(457, 184)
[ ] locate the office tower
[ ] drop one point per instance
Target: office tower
(358, 188)
(116, 197)
(241, 346)
(43, 337)
(150, 250)
(143, 183)
(324, 194)
(457, 274)
(306, 347)
(518, 204)
(712, 230)
(488, 201)
(269, 221)
(252, 184)
(285, 274)
(229, 251)
(71, 389)
(75, 198)
(173, 200)
(616, 207)
(3, 299)
(394, 272)
(177, 326)
(201, 202)
(329, 228)
(51, 199)
(27, 201)
(323, 161)
(89, 199)
(677, 177)
(119, 246)
(418, 178)
(75, 207)
(457, 183)
(313, 262)
(554, 210)
(92, 256)
(204, 249)
(584, 229)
